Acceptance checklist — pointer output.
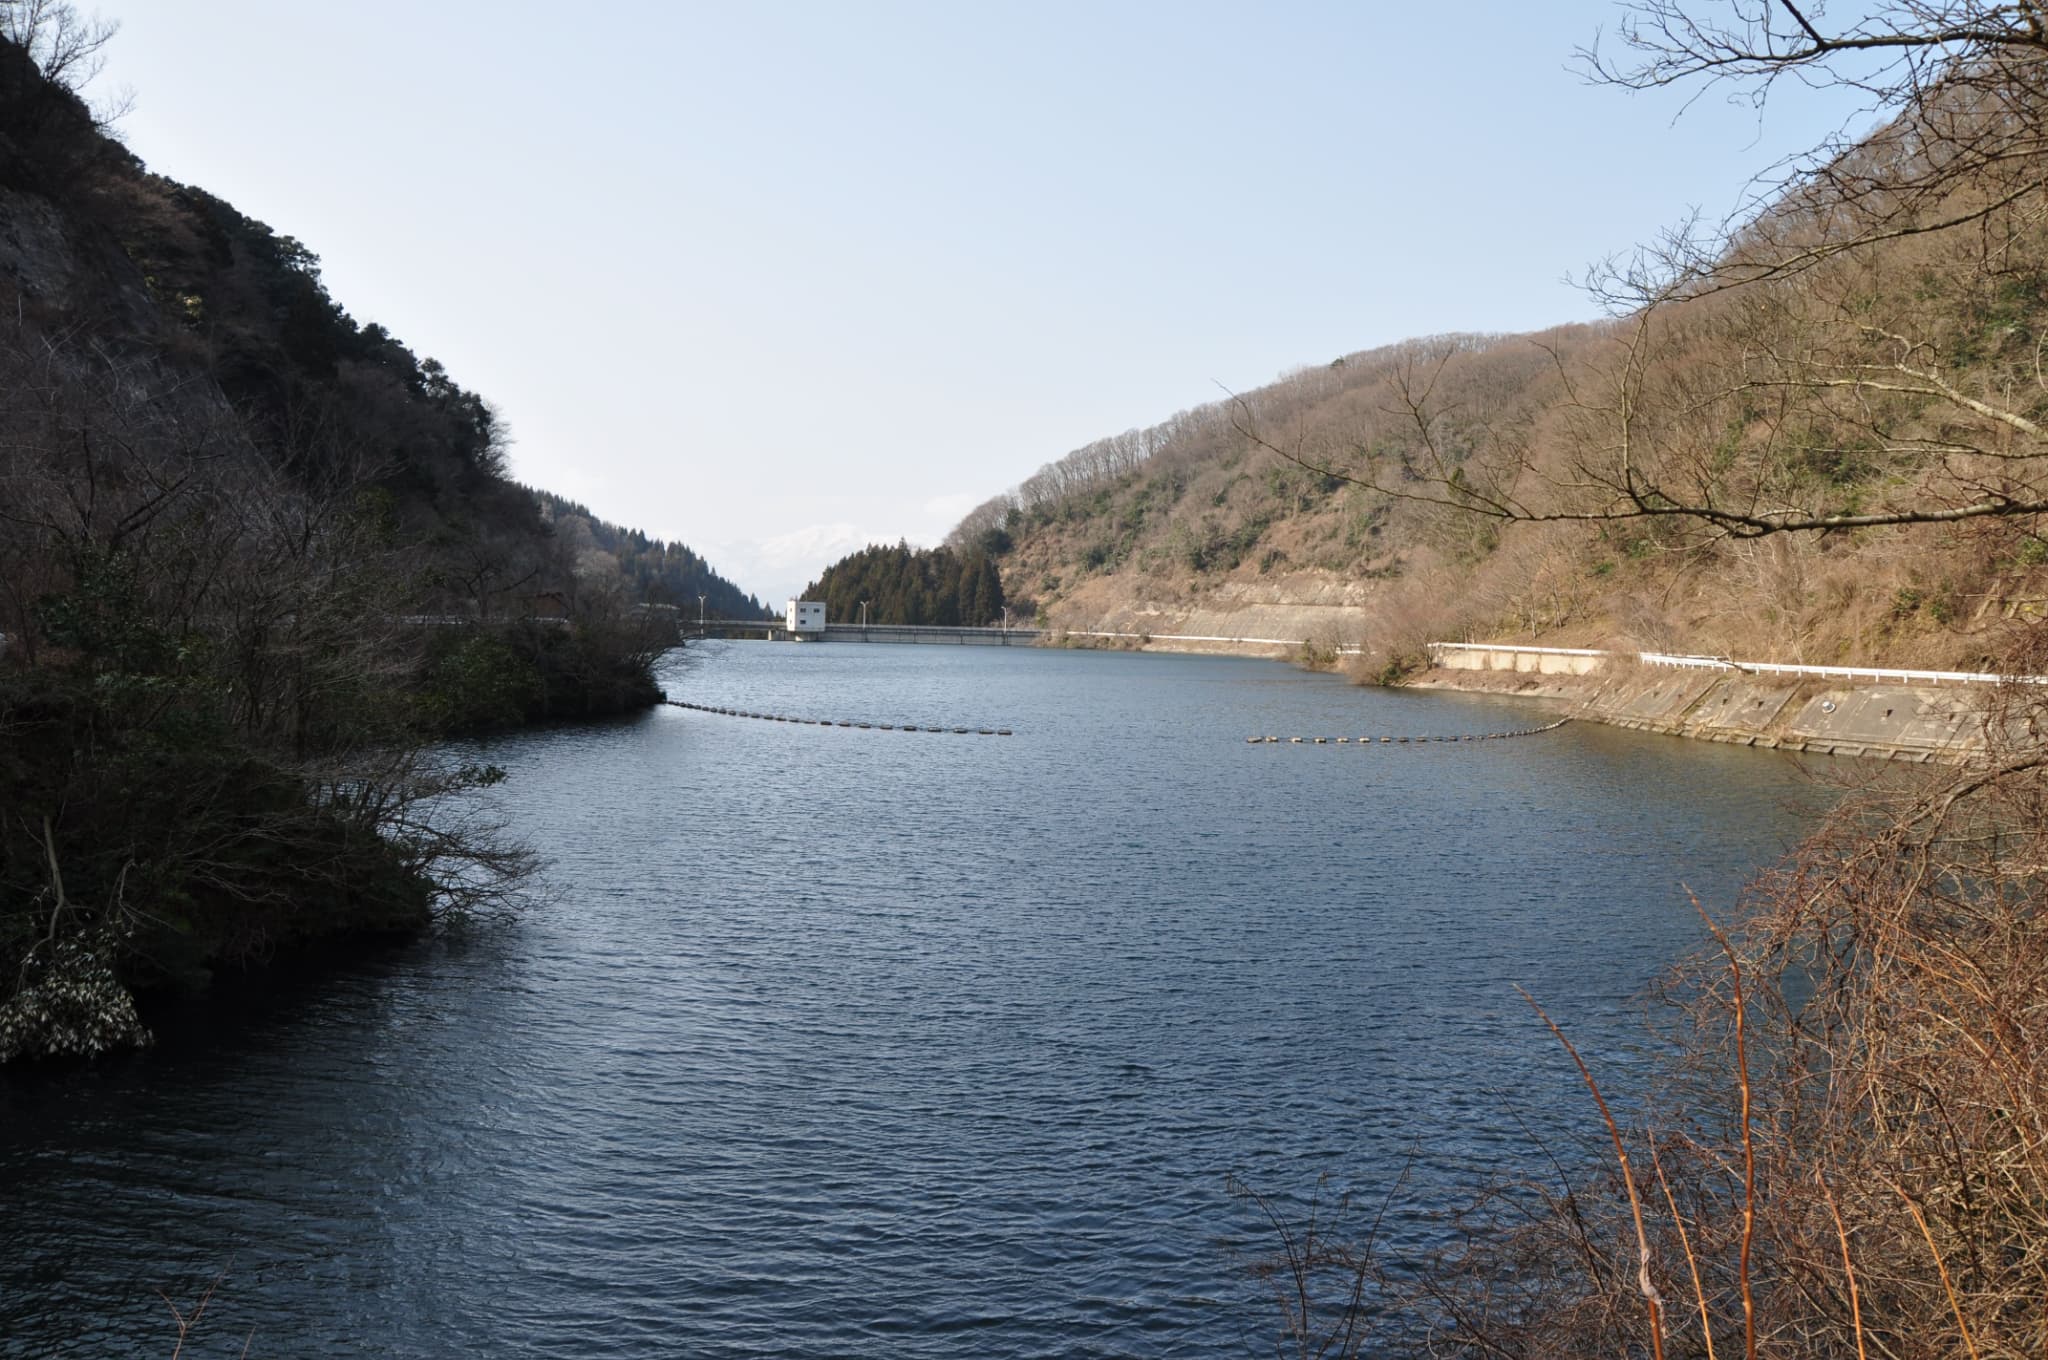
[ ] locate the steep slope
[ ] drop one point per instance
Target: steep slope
(103, 263)
(656, 572)
(1633, 483)
(255, 559)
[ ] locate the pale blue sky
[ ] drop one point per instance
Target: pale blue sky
(778, 279)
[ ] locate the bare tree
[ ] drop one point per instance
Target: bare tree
(207, 606)
(1956, 84)
(68, 48)
(1864, 349)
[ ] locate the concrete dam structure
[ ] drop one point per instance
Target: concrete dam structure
(925, 633)
(776, 631)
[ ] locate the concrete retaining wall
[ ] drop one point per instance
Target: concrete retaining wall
(1524, 660)
(1825, 717)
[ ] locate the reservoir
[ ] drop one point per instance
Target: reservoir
(843, 1042)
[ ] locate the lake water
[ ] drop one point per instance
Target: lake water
(837, 1042)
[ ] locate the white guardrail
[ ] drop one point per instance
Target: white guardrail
(1722, 663)
(1203, 637)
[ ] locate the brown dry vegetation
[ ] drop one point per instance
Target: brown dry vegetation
(1865, 364)
(1845, 1152)
(1209, 505)
(1819, 434)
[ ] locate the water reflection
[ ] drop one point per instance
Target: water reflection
(849, 1042)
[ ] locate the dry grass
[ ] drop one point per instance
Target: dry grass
(1847, 1138)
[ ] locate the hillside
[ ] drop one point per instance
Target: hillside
(655, 571)
(915, 586)
(1838, 461)
(256, 559)
(126, 289)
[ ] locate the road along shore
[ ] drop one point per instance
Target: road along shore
(1714, 699)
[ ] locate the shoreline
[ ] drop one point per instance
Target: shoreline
(1942, 724)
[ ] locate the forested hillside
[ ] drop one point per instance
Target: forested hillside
(906, 585)
(255, 556)
(655, 572)
(1815, 438)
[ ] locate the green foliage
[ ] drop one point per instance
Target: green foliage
(475, 681)
(1399, 667)
(491, 677)
(1317, 656)
(1210, 546)
(2003, 321)
(1834, 461)
(916, 586)
(1367, 525)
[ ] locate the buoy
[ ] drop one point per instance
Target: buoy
(887, 728)
(1294, 741)
(1322, 741)
(1002, 731)
(862, 725)
(961, 731)
(1343, 741)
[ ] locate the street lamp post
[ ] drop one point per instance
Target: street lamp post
(700, 613)
(863, 615)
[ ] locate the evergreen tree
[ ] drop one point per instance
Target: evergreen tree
(905, 585)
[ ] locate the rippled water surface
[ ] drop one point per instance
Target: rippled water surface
(861, 1043)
